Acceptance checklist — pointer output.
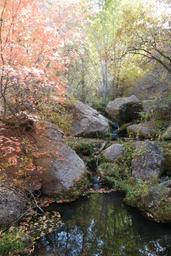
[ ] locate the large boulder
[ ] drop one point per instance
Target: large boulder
(12, 205)
(167, 134)
(144, 130)
(124, 109)
(88, 122)
(155, 203)
(62, 169)
(114, 152)
(147, 161)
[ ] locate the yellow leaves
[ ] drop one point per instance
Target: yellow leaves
(38, 226)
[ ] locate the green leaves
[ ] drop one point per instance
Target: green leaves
(11, 241)
(125, 39)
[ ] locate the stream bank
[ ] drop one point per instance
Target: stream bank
(70, 167)
(101, 224)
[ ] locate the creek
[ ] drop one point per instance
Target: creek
(101, 225)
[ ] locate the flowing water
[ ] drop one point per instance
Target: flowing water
(101, 225)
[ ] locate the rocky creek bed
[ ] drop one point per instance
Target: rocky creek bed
(96, 153)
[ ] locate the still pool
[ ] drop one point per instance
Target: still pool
(101, 225)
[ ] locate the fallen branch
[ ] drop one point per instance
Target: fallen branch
(35, 201)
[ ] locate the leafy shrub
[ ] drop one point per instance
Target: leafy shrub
(82, 148)
(145, 116)
(99, 105)
(58, 114)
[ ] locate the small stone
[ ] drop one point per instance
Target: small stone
(114, 152)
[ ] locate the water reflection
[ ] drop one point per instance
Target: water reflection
(102, 226)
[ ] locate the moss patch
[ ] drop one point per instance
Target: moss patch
(114, 173)
(80, 188)
(12, 242)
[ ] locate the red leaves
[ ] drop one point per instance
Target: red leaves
(32, 42)
(10, 149)
(9, 146)
(27, 49)
(13, 160)
(17, 148)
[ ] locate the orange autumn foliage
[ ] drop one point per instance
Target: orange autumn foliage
(32, 38)
(33, 61)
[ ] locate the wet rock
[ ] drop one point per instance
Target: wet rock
(124, 109)
(88, 122)
(147, 161)
(144, 130)
(12, 205)
(62, 168)
(167, 134)
(114, 152)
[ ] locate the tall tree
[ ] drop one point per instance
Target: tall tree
(150, 33)
(125, 40)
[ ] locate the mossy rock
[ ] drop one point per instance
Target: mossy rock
(154, 201)
(134, 190)
(148, 160)
(167, 157)
(145, 130)
(79, 188)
